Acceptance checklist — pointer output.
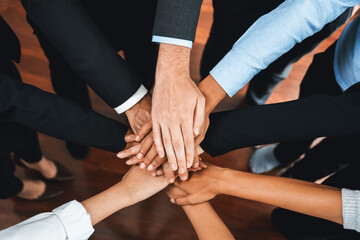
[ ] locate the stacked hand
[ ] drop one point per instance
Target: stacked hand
(201, 187)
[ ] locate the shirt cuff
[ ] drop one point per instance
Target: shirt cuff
(75, 220)
(175, 41)
(232, 73)
(134, 99)
(351, 209)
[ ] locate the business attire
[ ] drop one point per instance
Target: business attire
(231, 21)
(129, 31)
(25, 109)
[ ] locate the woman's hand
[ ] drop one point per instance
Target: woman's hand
(201, 187)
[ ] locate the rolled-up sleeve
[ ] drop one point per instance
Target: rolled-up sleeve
(67, 222)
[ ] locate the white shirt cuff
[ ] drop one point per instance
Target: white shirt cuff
(75, 220)
(134, 99)
(175, 41)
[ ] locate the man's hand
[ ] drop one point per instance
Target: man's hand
(177, 108)
(202, 186)
(139, 117)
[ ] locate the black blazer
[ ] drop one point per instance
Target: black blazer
(305, 118)
(46, 112)
(72, 31)
(9, 43)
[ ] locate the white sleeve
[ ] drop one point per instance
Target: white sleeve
(351, 209)
(174, 41)
(134, 99)
(67, 222)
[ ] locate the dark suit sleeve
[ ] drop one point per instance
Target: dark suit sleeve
(310, 117)
(57, 116)
(70, 29)
(177, 18)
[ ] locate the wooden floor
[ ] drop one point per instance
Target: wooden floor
(154, 218)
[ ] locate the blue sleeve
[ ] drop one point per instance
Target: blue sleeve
(271, 36)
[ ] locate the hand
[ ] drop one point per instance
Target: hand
(178, 108)
(202, 186)
(140, 185)
(139, 117)
(174, 192)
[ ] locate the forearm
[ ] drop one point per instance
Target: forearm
(173, 61)
(206, 222)
(106, 203)
(310, 117)
(308, 198)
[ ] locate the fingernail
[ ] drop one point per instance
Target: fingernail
(181, 170)
(173, 166)
(196, 165)
(188, 164)
(161, 154)
(128, 162)
(142, 165)
(127, 137)
(137, 138)
(153, 174)
(197, 131)
(184, 178)
(150, 167)
(139, 155)
(120, 155)
(159, 172)
(171, 180)
(172, 200)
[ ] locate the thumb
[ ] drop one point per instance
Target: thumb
(199, 116)
(182, 200)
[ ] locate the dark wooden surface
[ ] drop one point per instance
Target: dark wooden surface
(155, 218)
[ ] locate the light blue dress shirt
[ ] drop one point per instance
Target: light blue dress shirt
(271, 36)
(347, 56)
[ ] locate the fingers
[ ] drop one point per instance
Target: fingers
(156, 163)
(169, 174)
(146, 146)
(129, 152)
(169, 148)
(160, 172)
(130, 138)
(144, 130)
(158, 140)
(178, 144)
(196, 160)
(189, 143)
(150, 156)
(203, 165)
(182, 200)
(199, 115)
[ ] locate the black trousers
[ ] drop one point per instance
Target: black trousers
(319, 79)
(20, 140)
(231, 20)
(296, 226)
(126, 27)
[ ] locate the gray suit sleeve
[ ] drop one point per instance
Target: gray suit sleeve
(177, 18)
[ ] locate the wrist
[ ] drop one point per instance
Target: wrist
(220, 176)
(173, 62)
(212, 92)
(144, 103)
